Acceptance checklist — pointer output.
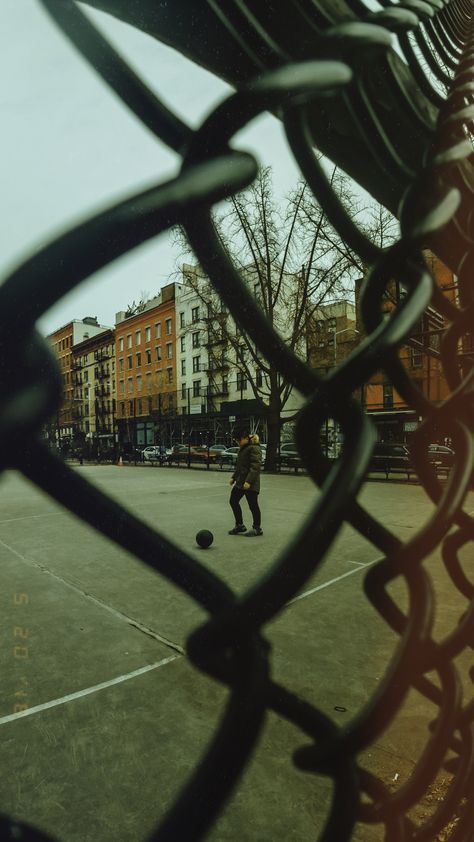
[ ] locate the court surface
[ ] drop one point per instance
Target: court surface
(115, 717)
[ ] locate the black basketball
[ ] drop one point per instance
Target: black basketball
(204, 538)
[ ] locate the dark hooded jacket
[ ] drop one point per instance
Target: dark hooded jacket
(248, 466)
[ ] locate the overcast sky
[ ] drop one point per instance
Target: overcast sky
(69, 148)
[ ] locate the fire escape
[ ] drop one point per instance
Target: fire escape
(218, 365)
(102, 392)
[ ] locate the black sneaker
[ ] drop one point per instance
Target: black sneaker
(254, 532)
(238, 530)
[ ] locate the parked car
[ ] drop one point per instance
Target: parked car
(388, 457)
(132, 454)
(203, 454)
(156, 453)
(230, 455)
(441, 455)
(218, 448)
(289, 455)
(194, 453)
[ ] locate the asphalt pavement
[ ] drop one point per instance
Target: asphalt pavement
(114, 717)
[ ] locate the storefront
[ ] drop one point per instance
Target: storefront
(394, 425)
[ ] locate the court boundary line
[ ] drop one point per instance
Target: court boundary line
(131, 621)
(87, 691)
(13, 717)
(334, 581)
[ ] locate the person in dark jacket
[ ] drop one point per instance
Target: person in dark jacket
(245, 482)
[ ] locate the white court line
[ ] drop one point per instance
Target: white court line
(96, 688)
(332, 581)
(12, 717)
(338, 578)
(31, 517)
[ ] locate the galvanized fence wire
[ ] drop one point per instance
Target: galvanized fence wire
(437, 39)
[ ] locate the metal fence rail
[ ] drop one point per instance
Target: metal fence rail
(423, 140)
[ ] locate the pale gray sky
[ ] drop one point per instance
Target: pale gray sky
(69, 148)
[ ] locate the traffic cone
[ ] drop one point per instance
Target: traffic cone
(120, 462)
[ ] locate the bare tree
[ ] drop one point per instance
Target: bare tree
(293, 262)
(134, 308)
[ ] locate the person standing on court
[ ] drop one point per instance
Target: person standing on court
(245, 482)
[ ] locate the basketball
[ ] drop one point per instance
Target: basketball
(204, 538)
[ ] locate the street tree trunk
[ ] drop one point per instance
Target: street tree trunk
(273, 416)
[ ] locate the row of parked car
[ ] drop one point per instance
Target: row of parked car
(390, 458)
(387, 457)
(216, 454)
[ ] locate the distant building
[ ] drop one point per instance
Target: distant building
(94, 386)
(332, 333)
(420, 356)
(63, 340)
(145, 350)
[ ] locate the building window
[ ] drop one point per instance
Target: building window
(387, 396)
(129, 340)
(86, 376)
(121, 343)
(169, 350)
(158, 353)
(138, 337)
(148, 334)
(148, 356)
(183, 391)
(183, 344)
(182, 320)
(168, 327)
(148, 382)
(130, 361)
(196, 388)
(416, 358)
(225, 386)
(169, 372)
(130, 384)
(241, 382)
(259, 379)
(122, 387)
(139, 383)
(196, 364)
(158, 330)
(131, 408)
(196, 342)
(195, 315)
(183, 366)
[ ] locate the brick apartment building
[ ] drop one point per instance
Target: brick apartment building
(338, 328)
(94, 387)
(145, 353)
(63, 426)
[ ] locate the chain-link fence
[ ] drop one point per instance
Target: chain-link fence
(312, 63)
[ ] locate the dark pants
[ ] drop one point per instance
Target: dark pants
(252, 499)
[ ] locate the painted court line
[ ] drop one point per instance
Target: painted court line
(99, 602)
(32, 517)
(332, 581)
(360, 566)
(12, 717)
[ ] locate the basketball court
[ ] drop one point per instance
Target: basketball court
(110, 716)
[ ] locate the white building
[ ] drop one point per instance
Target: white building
(209, 356)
